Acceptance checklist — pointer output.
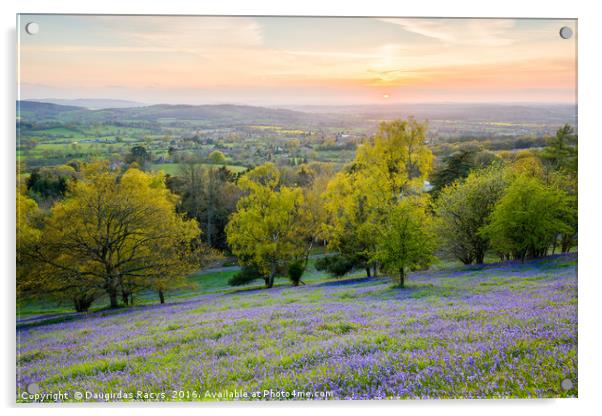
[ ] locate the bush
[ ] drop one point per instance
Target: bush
(336, 266)
(322, 263)
(295, 271)
(246, 275)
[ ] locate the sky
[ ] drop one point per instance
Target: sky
(296, 60)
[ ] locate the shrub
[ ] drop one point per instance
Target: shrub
(246, 275)
(336, 266)
(295, 271)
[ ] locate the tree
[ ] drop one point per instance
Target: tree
(561, 151)
(566, 182)
(116, 234)
(217, 158)
(397, 160)
(454, 166)
(458, 165)
(392, 165)
(350, 225)
(314, 210)
(406, 241)
(28, 235)
(139, 155)
(209, 195)
(28, 215)
(49, 184)
(528, 218)
(463, 208)
(561, 156)
(267, 230)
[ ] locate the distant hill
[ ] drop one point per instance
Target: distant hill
(91, 103)
(211, 115)
(36, 111)
(218, 115)
(444, 119)
(499, 112)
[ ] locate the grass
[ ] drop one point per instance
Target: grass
(173, 169)
(503, 330)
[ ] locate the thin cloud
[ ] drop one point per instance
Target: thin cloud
(490, 32)
(188, 32)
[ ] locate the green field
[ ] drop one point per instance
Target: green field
(173, 169)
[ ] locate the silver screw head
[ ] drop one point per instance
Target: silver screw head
(566, 32)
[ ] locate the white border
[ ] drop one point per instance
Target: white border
(590, 131)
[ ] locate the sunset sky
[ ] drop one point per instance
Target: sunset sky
(293, 61)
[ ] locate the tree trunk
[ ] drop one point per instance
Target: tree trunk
(82, 304)
(161, 297)
(125, 297)
(368, 271)
(566, 243)
(113, 299)
(210, 226)
(480, 257)
(375, 269)
(402, 275)
(269, 283)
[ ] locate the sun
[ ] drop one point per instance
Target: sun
(386, 96)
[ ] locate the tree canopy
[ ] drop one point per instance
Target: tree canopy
(463, 208)
(268, 228)
(406, 240)
(392, 165)
(528, 218)
(114, 233)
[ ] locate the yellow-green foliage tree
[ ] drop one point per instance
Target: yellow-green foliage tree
(28, 214)
(406, 240)
(351, 222)
(397, 161)
(269, 229)
(391, 166)
(114, 234)
(217, 158)
(528, 218)
(28, 233)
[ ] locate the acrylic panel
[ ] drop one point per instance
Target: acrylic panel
(216, 208)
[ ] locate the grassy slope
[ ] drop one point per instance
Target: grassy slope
(505, 330)
(201, 283)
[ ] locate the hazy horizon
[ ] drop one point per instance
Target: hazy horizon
(297, 61)
(302, 105)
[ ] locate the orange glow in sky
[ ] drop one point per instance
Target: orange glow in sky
(279, 60)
